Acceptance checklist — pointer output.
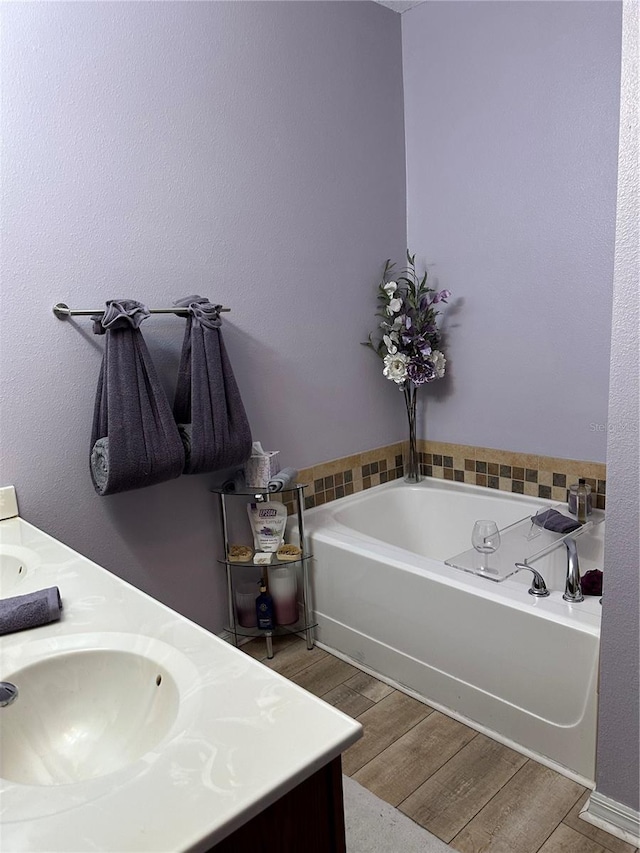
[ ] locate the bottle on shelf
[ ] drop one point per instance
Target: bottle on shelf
(264, 609)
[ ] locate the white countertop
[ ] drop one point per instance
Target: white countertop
(242, 737)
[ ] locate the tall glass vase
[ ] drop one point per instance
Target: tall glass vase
(411, 458)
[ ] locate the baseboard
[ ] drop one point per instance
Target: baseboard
(615, 818)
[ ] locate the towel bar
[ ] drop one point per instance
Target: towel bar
(63, 311)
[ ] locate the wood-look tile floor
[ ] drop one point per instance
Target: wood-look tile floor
(472, 792)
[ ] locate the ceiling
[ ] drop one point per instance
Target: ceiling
(400, 5)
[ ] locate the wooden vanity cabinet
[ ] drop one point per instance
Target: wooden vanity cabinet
(309, 818)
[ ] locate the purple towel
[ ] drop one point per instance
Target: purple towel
(207, 407)
(134, 440)
(553, 520)
(30, 610)
(592, 582)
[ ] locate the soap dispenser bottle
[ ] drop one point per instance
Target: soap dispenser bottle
(580, 503)
(264, 608)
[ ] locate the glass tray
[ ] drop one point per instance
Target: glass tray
(520, 542)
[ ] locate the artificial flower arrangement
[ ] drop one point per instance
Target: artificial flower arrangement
(408, 338)
(408, 341)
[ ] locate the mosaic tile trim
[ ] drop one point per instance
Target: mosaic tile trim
(521, 473)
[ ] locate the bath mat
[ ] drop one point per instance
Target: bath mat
(374, 826)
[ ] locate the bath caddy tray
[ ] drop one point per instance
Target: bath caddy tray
(520, 542)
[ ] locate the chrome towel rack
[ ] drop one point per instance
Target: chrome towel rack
(63, 312)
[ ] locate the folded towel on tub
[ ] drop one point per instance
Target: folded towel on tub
(207, 403)
(30, 610)
(134, 438)
(553, 520)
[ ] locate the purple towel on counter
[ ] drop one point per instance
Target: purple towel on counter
(30, 610)
(553, 520)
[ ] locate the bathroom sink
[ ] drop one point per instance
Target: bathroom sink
(84, 713)
(12, 571)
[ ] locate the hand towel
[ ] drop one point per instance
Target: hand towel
(591, 582)
(207, 401)
(30, 610)
(553, 520)
(283, 480)
(235, 483)
(134, 440)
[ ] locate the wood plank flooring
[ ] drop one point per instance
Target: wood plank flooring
(472, 792)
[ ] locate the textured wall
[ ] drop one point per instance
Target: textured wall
(250, 152)
(511, 113)
(619, 719)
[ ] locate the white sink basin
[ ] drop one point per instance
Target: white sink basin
(12, 571)
(84, 713)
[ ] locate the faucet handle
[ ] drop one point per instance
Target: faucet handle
(538, 586)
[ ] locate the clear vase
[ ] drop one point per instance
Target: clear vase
(411, 461)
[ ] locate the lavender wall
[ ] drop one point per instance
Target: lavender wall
(512, 125)
(619, 717)
(250, 152)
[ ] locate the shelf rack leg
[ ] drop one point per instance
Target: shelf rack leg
(305, 572)
(225, 539)
(269, 645)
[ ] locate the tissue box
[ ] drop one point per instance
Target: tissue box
(260, 468)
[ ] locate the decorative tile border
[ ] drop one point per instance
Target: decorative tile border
(522, 473)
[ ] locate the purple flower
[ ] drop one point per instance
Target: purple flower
(441, 296)
(420, 371)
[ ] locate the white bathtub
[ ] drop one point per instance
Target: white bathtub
(521, 669)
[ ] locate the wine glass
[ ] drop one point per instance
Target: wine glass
(485, 539)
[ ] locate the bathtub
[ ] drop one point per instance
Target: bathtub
(523, 670)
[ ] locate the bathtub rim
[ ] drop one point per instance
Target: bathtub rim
(322, 524)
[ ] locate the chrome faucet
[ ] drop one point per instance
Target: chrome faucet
(573, 588)
(538, 586)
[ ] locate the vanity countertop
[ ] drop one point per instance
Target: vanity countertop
(241, 735)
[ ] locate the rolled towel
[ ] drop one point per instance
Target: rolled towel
(553, 520)
(30, 610)
(282, 480)
(100, 465)
(235, 483)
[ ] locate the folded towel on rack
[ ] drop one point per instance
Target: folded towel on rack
(30, 610)
(235, 483)
(207, 399)
(553, 520)
(282, 480)
(134, 439)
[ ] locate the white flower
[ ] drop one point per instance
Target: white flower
(398, 323)
(438, 361)
(394, 306)
(390, 288)
(392, 349)
(395, 367)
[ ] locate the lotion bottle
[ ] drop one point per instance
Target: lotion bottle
(264, 609)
